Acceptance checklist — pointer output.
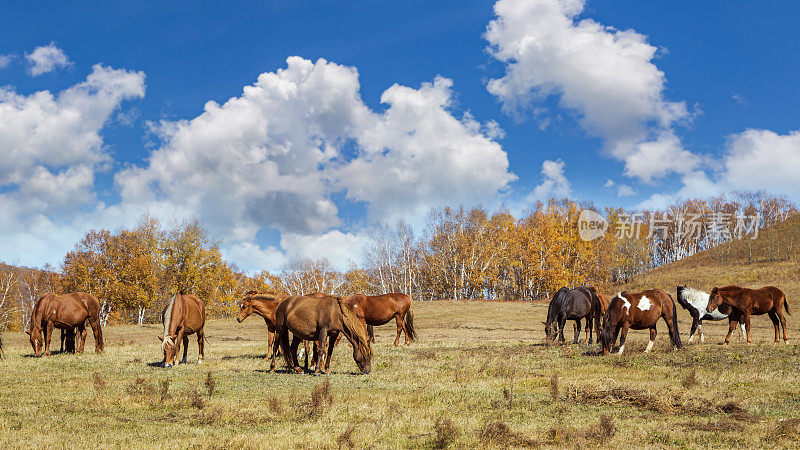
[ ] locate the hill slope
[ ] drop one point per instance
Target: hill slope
(771, 259)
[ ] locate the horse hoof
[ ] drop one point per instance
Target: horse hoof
(298, 370)
(167, 366)
(199, 361)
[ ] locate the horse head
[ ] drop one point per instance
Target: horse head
(550, 331)
(714, 300)
(355, 330)
(245, 309)
(170, 350)
(608, 333)
(37, 342)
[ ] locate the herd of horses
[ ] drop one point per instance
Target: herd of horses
(321, 320)
(642, 310)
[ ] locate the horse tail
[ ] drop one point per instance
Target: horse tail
(371, 332)
(283, 335)
(409, 324)
(786, 305)
(677, 335)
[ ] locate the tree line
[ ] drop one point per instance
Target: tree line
(460, 253)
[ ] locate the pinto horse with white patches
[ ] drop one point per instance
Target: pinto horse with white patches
(184, 315)
(696, 301)
(638, 310)
(752, 302)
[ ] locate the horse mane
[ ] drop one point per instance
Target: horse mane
(353, 325)
(268, 295)
(167, 318)
(551, 306)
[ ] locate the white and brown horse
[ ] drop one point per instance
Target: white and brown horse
(640, 311)
(183, 316)
(752, 302)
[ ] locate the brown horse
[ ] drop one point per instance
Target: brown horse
(599, 308)
(751, 302)
(380, 309)
(65, 312)
(184, 315)
(317, 319)
(264, 304)
(638, 310)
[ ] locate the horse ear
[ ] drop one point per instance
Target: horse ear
(161, 338)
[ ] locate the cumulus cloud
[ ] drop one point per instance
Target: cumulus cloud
(554, 183)
(763, 160)
(605, 76)
(274, 156)
(46, 58)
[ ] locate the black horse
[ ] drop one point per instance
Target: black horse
(570, 304)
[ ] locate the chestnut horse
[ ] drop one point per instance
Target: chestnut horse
(184, 315)
(317, 319)
(752, 302)
(639, 310)
(380, 309)
(599, 310)
(66, 312)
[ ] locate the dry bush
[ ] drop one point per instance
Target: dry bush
(275, 405)
(210, 384)
(689, 379)
(165, 390)
(321, 398)
(445, 433)
(195, 399)
(345, 440)
(209, 417)
(98, 382)
(424, 353)
(140, 387)
(603, 431)
(498, 433)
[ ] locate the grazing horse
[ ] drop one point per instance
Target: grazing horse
(65, 312)
(638, 310)
(318, 319)
(380, 309)
(570, 304)
(599, 308)
(752, 302)
(184, 315)
(696, 301)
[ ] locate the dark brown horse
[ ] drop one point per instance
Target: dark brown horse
(751, 302)
(570, 304)
(318, 319)
(380, 309)
(184, 315)
(66, 312)
(638, 310)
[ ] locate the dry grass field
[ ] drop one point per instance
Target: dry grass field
(479, 376)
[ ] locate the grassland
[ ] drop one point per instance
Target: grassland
(480, 375)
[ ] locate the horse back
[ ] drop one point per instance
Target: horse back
(194, 312)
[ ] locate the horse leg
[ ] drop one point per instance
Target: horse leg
(293, 354)
(731, 326)
(776, 324)
(97, 332)
(589, 329)
(783, 325)
(400, 327)
(577, 328)
(82, 331)
(332, 341)
(562, 322)
(702, 335)
(319, 355)
(623, 336)
(185, 348)
(63, 338)
(747, 326)
(695, 323)
(48, 334)
(653, 334)
(201, 340)
(275, 344)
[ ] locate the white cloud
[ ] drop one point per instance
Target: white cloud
(340, 248)
(46, 58)
(555, 183)
(605, 76)
(763, 160)
(274, 156)
(5, 60)
(609, 183)
(623, 190)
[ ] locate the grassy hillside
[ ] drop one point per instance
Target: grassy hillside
(479, 376)
(771, 259)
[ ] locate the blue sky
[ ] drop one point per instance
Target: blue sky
(617, 102)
